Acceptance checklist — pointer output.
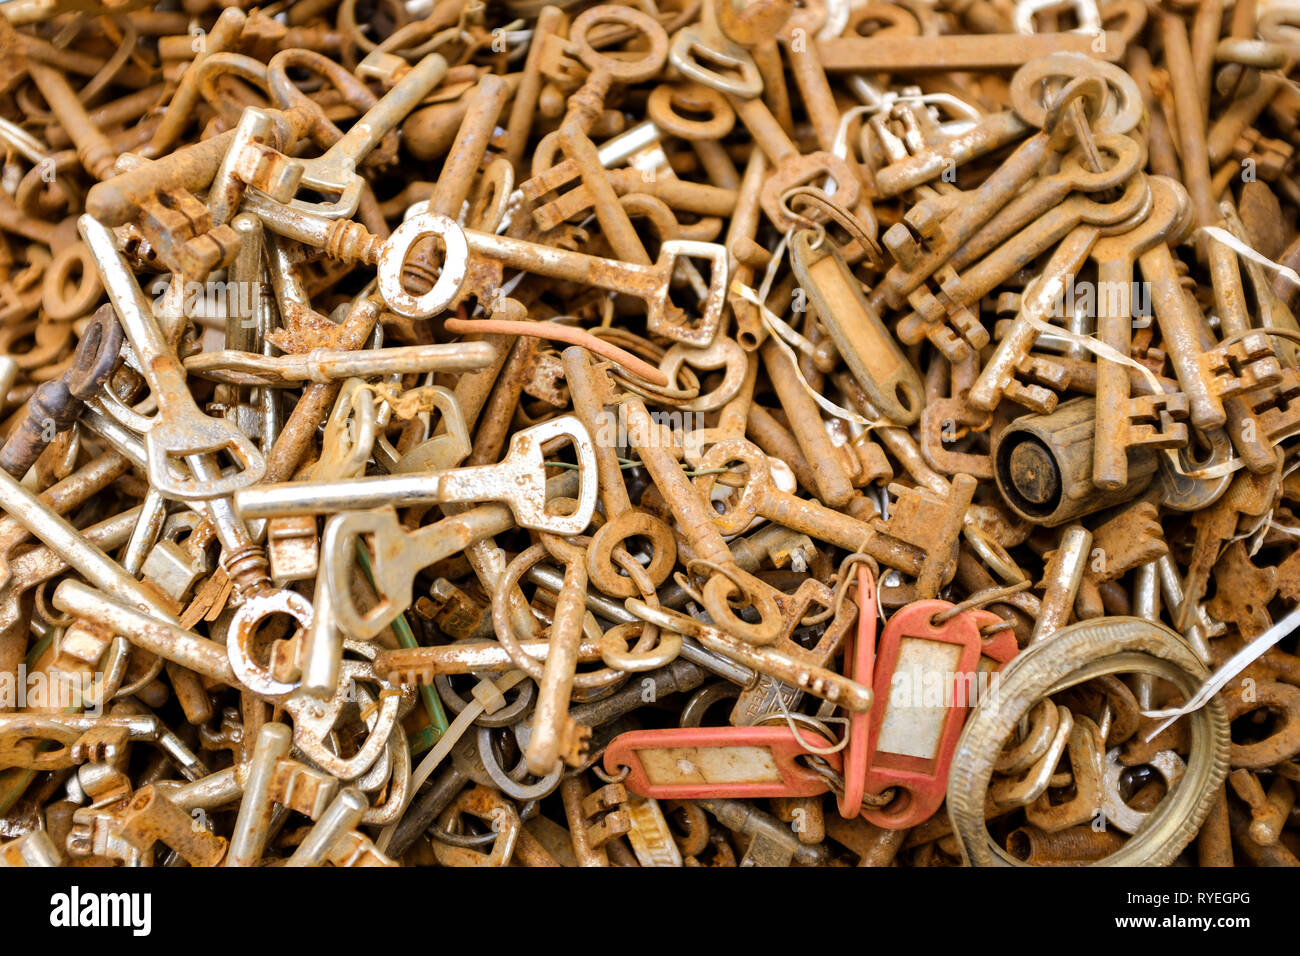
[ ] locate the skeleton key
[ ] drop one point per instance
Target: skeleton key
(179, 429)
(833, 482)
(594, 818)
(518, 481)
(1122, 421)
(604, 70)
(758, 495)
(349, 241)
(591, 390)
(910, 541)
(77, 549)
(927, 237)
(790, 167)
(167, 640)
(959, 291)
(774, 662)
(345, 450)
(421, 665)
(997, 379)
(56, 404)
(584, 109)
(992, 132)
(25, 739)
(695, 518)
(1122, 157)
(987, 51)
(1182, 325)
(758, 701)
(555, 736)
(1273, 311)
(334, 172)
(252, 370)
(694, 49)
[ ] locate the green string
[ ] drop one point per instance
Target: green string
(430, 735)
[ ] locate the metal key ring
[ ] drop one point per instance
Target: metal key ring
(1126, 98)
(698, 704)
(682, 54)
(505, 631)
(355, 93)
(1074, 655)
(216, 65)
(507, 783)
(620, 70)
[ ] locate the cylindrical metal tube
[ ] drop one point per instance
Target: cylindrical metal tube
(342, 815)
(253, 823)
(1043, 466)
(1063, 574)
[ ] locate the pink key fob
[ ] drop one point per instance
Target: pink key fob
(926, 678)
(688, 763)
(860, 662)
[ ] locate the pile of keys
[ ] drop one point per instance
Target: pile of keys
(682, 433)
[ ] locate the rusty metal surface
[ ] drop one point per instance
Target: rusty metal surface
(411, 402)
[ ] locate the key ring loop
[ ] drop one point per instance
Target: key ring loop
(980, 599)
(504, 627)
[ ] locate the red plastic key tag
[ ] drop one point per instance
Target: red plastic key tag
(927, 676)
(688, 763)
(860, 662)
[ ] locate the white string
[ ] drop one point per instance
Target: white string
(1234, 666)
(784, 336)
(799, 738)
(464, 720)
(1241, 249)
